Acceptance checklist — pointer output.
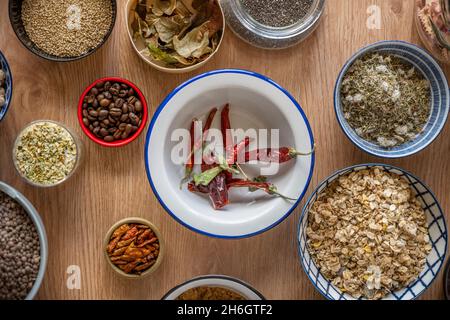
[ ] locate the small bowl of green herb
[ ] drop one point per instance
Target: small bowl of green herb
(392, 99)
(46, 153)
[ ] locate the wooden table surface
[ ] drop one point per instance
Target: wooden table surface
(111, 183)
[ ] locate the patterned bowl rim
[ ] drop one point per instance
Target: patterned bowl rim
(5, 108)
(350, 169)
(413, 49)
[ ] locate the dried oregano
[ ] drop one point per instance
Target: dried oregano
(385, 99)
(45, 153)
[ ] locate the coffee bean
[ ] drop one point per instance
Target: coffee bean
(114, 91)
(112, 111)
(122, 126)
(108, 95)
(119, 102)
(104, 132)
(105, 102)
(132, 99)
(100, 84)
(94, 91)
(133, 118)
(103, 114)
(138, 106)
(117, 134)
(115, 112)
(124, 117)
(90, 99)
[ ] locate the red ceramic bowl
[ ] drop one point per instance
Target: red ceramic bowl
(117, 143)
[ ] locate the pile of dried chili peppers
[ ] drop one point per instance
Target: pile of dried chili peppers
(133, 248)
(218, 178)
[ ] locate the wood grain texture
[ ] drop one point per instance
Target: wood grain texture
(111, 184)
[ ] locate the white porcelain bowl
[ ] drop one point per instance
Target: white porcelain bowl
(235, 285)
(255, 102)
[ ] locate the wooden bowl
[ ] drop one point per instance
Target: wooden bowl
(159, 259)
(131, 4)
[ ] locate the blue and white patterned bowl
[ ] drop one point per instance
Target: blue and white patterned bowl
(437, 229)
(440, 99)
(8, 94)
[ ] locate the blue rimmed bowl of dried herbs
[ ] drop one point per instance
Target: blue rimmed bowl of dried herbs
(392, 99)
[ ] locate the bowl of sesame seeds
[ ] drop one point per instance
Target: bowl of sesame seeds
(62, 30)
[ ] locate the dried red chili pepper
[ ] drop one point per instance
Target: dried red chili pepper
(218, 191)
(190, 163)
(280, 155)
(239, 150)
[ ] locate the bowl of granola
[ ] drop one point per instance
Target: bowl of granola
(372, 231)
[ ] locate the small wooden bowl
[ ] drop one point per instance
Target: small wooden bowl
(159, 259)
(131, 5)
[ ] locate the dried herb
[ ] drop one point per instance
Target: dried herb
(45, 153)
(178, 33)
(385, 99)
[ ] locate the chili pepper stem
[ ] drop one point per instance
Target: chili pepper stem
(273, 190)
(294, 153)
(242, 171)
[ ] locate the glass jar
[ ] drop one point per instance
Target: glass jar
(433, 25)
(267, 37)
(76, 158)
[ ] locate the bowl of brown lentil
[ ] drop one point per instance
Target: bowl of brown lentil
(372, 231)
(62, 30)
(134, 248)
(24, 257)
(46, 153)
(392, 99)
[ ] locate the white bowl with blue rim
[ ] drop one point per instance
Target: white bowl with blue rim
(9, 85)
(216, 281)
(255, 102)
(440, 99)
(437, 229)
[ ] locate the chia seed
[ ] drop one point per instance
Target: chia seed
(277, 13)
